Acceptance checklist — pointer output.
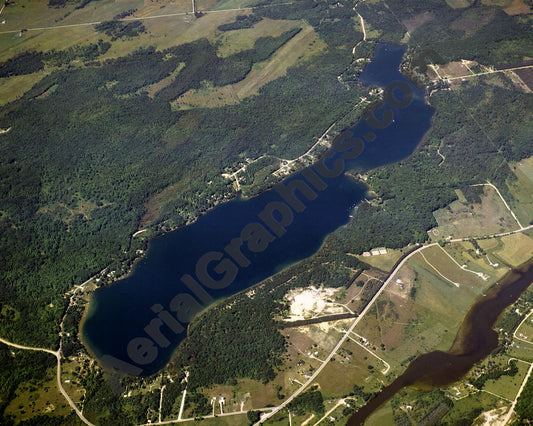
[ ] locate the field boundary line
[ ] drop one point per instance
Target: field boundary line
(57, 354)
(503, 199)
(144, 18)
(387, 365)
(487, 72)
(513, 405)
(478, 274)
(519, 325)
(438, 272)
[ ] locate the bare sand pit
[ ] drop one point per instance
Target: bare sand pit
(311, 302)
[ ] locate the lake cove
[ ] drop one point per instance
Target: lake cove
(135, 325)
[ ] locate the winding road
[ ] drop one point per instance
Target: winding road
(376, 296)
(57, 354)
(346, 336)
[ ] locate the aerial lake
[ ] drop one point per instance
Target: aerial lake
(119, 315)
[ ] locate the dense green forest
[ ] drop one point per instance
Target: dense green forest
(77, 170)
(32, 61)
(118, 29)
(244, 338)
(308, 402)
(89, 148)
(22, 366)
(524, 405)
(500, 39)
(241, 22)
(408, 193)
(228, 329)
(483, 33)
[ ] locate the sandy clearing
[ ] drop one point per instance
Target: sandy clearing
(312, 301)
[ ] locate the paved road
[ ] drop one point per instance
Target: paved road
(488, 72)
(141, 18)
(503, 199)
(510, 412)
(57, 354)
(346, 334)
(366, 309)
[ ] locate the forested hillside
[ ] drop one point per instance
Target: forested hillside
(408, 193)
(92, 146)
(88, 148)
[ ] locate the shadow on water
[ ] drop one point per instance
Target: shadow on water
(475, 340)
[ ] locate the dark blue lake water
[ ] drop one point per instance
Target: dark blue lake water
(115, 326)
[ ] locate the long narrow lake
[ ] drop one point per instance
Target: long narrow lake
(136, 324)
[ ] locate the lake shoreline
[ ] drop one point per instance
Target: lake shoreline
(164, 275)
(437, 368)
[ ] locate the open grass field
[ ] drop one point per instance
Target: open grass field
(235, 4)
(63, 27)
(236, 420)
(437, 259)
(362, 289)
(384, 262)
(324, 336)
(525, 77)
(71, 380)
(14, 87)
(525, 331)
(11, 44)
(237, 40)
(464, 407)
(460, 390)
(256, 394)
(521, 350)
(307, 347)
(508, 386)
(526, 167)
(487, 263)
(490, 244)
(459, 4)
(353, 365)
(167, 24)
(36, 14)
(233, 396)
(168, 31)
(499, 3)
(32, 400)
(462, 219)
(60, 28)
(518, 7)
(301, 47)
(414, 22)
(518, 248)
(522, 190)
(453, 69)
(383, 416)
(409, 325)
(464, 253)
(156, 87)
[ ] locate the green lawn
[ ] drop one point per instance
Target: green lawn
(507, 386)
